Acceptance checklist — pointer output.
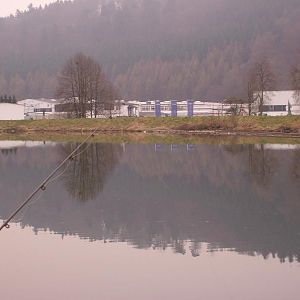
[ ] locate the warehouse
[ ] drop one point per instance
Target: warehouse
(279, 103)
(9, 111)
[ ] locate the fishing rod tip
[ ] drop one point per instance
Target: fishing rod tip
(5, 225)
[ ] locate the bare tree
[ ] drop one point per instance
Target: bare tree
(262, 79)
(236, 106)
(251, 97)
(106, 102)
(295, 78)
(83, 86)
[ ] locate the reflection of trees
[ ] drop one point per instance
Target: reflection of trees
(86, 176)
(234, 149)
(262, 164)
(9, 151)
(296, 165)
(195, 248)
(205, 195)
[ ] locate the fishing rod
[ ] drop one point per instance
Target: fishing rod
(43, 185)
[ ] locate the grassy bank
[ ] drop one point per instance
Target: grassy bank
(205, 125)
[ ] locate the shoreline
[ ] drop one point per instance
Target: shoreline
(273, 127)
(150, 138)
(211, 133)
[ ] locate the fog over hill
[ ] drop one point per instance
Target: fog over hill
(200, 49)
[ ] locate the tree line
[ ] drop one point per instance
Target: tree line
(8, 99)
(206, 56)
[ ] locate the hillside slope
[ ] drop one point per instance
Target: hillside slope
(180, 49)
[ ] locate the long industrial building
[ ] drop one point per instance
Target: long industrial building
(276, 103)
(175, 108)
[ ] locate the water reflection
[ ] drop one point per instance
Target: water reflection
(262, 164)
(296, 165)
(8, 151)
(239, 197)
(84, 179)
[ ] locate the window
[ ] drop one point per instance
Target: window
(165, 107)
(148, 107)
(280, 108)
(41, 110)
(269, 108)
(181, 107)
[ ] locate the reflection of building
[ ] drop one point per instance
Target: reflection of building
(6, 145)
(9, 111)
(210, 195)
(11, 147)
(282, 147)
(279, 103)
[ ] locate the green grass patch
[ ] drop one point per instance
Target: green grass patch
(288, 124)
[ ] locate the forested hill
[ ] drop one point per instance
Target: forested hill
(199, 49)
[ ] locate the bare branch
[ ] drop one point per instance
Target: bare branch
(84, 88)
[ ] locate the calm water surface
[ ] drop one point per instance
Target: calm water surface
(152, 222)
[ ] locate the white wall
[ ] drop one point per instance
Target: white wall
(32, 104)
(281, 98)
(11, 111)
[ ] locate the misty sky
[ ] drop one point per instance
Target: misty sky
(10, 7)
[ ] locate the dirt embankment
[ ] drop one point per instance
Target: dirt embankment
(261, 126)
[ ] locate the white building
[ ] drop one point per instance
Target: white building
(177, 108)
(9, 111)
(39, 108)
(279, 103)
(276, 103)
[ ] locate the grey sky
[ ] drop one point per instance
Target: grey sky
(10, 7)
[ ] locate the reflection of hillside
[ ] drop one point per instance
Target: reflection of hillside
(223, 165)
(158, 199)
(207, 159)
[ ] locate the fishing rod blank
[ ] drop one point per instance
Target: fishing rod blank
(43, 185)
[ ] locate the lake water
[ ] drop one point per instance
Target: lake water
(157, 221)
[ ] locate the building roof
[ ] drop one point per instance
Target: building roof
(11, 104)
(42, 100)
(281, 98)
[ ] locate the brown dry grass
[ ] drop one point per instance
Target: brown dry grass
(290, 124)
